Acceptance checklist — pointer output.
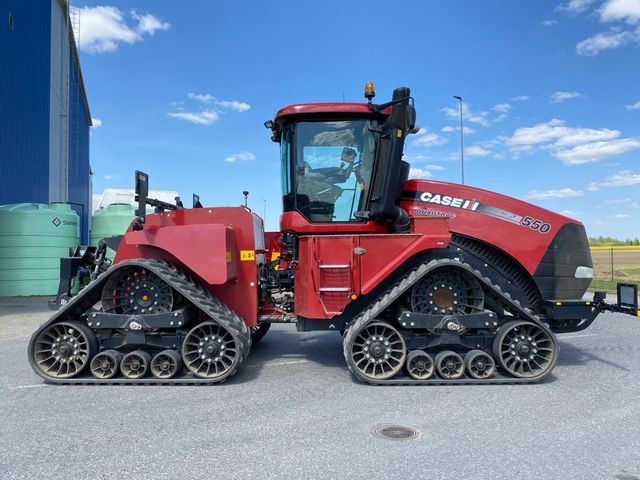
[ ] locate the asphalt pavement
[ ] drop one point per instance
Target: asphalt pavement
(294, 412)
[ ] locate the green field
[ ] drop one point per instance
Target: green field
(626, 267)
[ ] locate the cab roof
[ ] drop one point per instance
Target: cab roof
(329, 108)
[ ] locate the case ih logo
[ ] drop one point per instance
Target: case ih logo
(448, 201)
(56, 221)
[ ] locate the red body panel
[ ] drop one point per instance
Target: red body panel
(487, 216)
(331, 273)
(296, 222)
(207, 244)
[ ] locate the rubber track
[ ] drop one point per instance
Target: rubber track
(211, 306)
(370, 314)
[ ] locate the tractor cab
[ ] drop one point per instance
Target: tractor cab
(342, 165)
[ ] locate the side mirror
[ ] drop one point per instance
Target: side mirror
(411, 118)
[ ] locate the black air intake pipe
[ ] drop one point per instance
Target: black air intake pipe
(390, 171)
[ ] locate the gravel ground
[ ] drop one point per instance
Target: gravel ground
(294, 412)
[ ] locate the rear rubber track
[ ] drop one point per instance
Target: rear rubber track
(371, 313)
(212, 307)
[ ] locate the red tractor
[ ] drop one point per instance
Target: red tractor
(428, 282)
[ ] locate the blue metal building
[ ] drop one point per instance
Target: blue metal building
(44, 113)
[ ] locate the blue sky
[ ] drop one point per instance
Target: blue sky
(551, 92)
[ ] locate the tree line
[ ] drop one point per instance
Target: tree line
(612, 242)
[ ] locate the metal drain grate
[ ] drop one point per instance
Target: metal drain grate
(396, 432)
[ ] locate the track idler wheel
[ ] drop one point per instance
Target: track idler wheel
(479, 364)
(166, 364)
(525, 349)
(63, 350)
(378, 351)
(106, 364)
(419, 365)
(135, 364)
(211, 351)
(449, 365)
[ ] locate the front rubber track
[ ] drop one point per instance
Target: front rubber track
(194, 293)
(405, 283)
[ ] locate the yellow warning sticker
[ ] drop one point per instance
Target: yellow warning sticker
(399, 133)
(247, 255)
(275, 256)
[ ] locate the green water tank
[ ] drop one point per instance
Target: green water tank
(33, 237)
(109, 221)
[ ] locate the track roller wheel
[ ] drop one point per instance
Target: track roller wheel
(211, 351)
(259, 331)
(449, 365)
(106, 364)
(525, 349)
(166, 364)
(419, 365)
(479, 364)
(378, 351)
(63, 350)
(135, 364)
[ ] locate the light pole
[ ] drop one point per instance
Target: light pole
(461, 138)
(264, 217)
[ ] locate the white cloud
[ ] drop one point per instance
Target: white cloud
(596, 151)
(465, 129)
(574, 6)
(633, 106)
(520, 98)
(469, 115)
(625, 178)
(557, 97)
(573, 146)
(104, 28)
(620, 215)
(226, 104)
(415, 172)
(592, 46)
(425, 138)
(476, 151)
(613, 202)
(502, 107)
(97, 123)
(549, 23)
(242, 156)
(570, 213)
(627, 10)
(434, 168)
(203, 117)
(110, 176)
(556, 131)
(550, 194)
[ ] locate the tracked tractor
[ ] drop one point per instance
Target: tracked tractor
(428, 282)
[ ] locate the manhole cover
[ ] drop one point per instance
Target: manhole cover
(396, 432)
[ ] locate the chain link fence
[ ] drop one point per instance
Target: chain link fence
(612, 265)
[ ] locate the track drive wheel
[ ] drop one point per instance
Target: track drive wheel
(137, 291)
(525, 349)
(135, 364)
(378, 351)
(211, 351)
(449, 365)
(259, 331)
(63, 350)
(419, 365)
(106, 364)
(479, 364)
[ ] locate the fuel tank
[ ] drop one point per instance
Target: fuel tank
(553, 248)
